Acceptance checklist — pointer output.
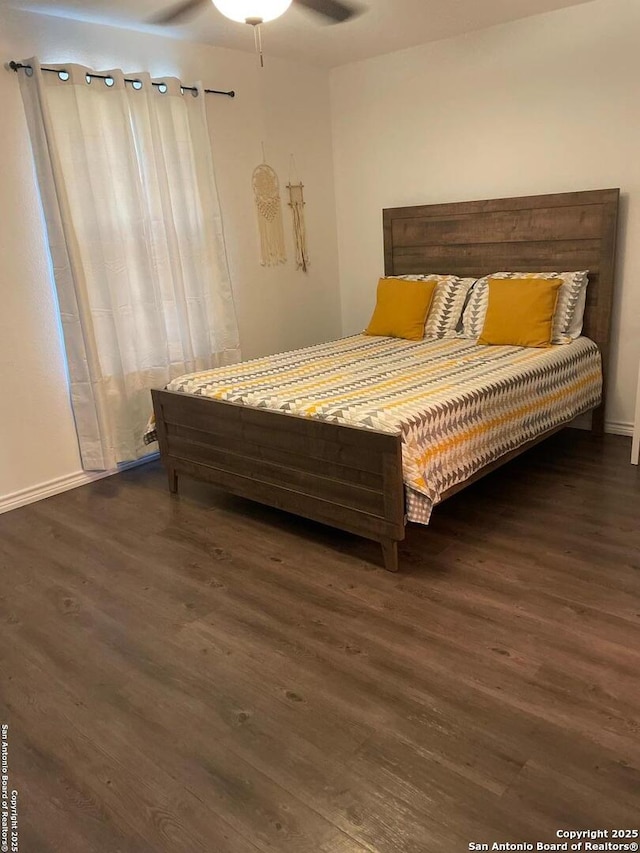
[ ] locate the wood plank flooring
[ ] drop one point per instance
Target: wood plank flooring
(204, 674)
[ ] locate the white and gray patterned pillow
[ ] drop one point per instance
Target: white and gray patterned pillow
(567, 320)
(445, 314)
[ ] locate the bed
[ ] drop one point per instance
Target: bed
(350, 474)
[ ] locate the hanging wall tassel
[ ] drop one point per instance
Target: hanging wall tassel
(296, 203)
(266, 190)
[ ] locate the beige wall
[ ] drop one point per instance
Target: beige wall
(286, 105)
(546, 104)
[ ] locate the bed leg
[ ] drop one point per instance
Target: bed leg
(390, 554)
(597, 421)
(173, 480)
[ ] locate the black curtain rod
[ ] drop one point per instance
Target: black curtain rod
(16, 66)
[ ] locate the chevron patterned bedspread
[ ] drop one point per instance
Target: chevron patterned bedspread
(457, 405)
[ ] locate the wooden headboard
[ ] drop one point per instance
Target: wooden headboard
(542, 233)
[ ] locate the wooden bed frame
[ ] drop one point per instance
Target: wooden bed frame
(351, 478)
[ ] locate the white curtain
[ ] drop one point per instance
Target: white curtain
(135, 232)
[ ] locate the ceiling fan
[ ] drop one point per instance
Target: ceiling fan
(256, 11)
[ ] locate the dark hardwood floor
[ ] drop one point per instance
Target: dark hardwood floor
(205, 674)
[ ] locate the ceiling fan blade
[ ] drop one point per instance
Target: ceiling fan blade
(334, 10)
(179, 12)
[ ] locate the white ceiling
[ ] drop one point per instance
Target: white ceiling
(385, 26)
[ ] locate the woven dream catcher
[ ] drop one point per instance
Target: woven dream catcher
(266, 190)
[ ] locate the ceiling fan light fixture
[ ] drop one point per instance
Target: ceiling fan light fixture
(252, 11)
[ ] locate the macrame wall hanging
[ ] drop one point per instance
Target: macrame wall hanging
(296, 203)
(266, 190)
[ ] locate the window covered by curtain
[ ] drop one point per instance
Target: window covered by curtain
(135, 232)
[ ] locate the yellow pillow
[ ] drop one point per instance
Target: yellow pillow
(520, 312)
(401, 308)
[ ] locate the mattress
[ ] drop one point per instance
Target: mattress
(458, 406)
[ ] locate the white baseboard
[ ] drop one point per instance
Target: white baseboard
(63, 484)
(618, 428)
(612, 427)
